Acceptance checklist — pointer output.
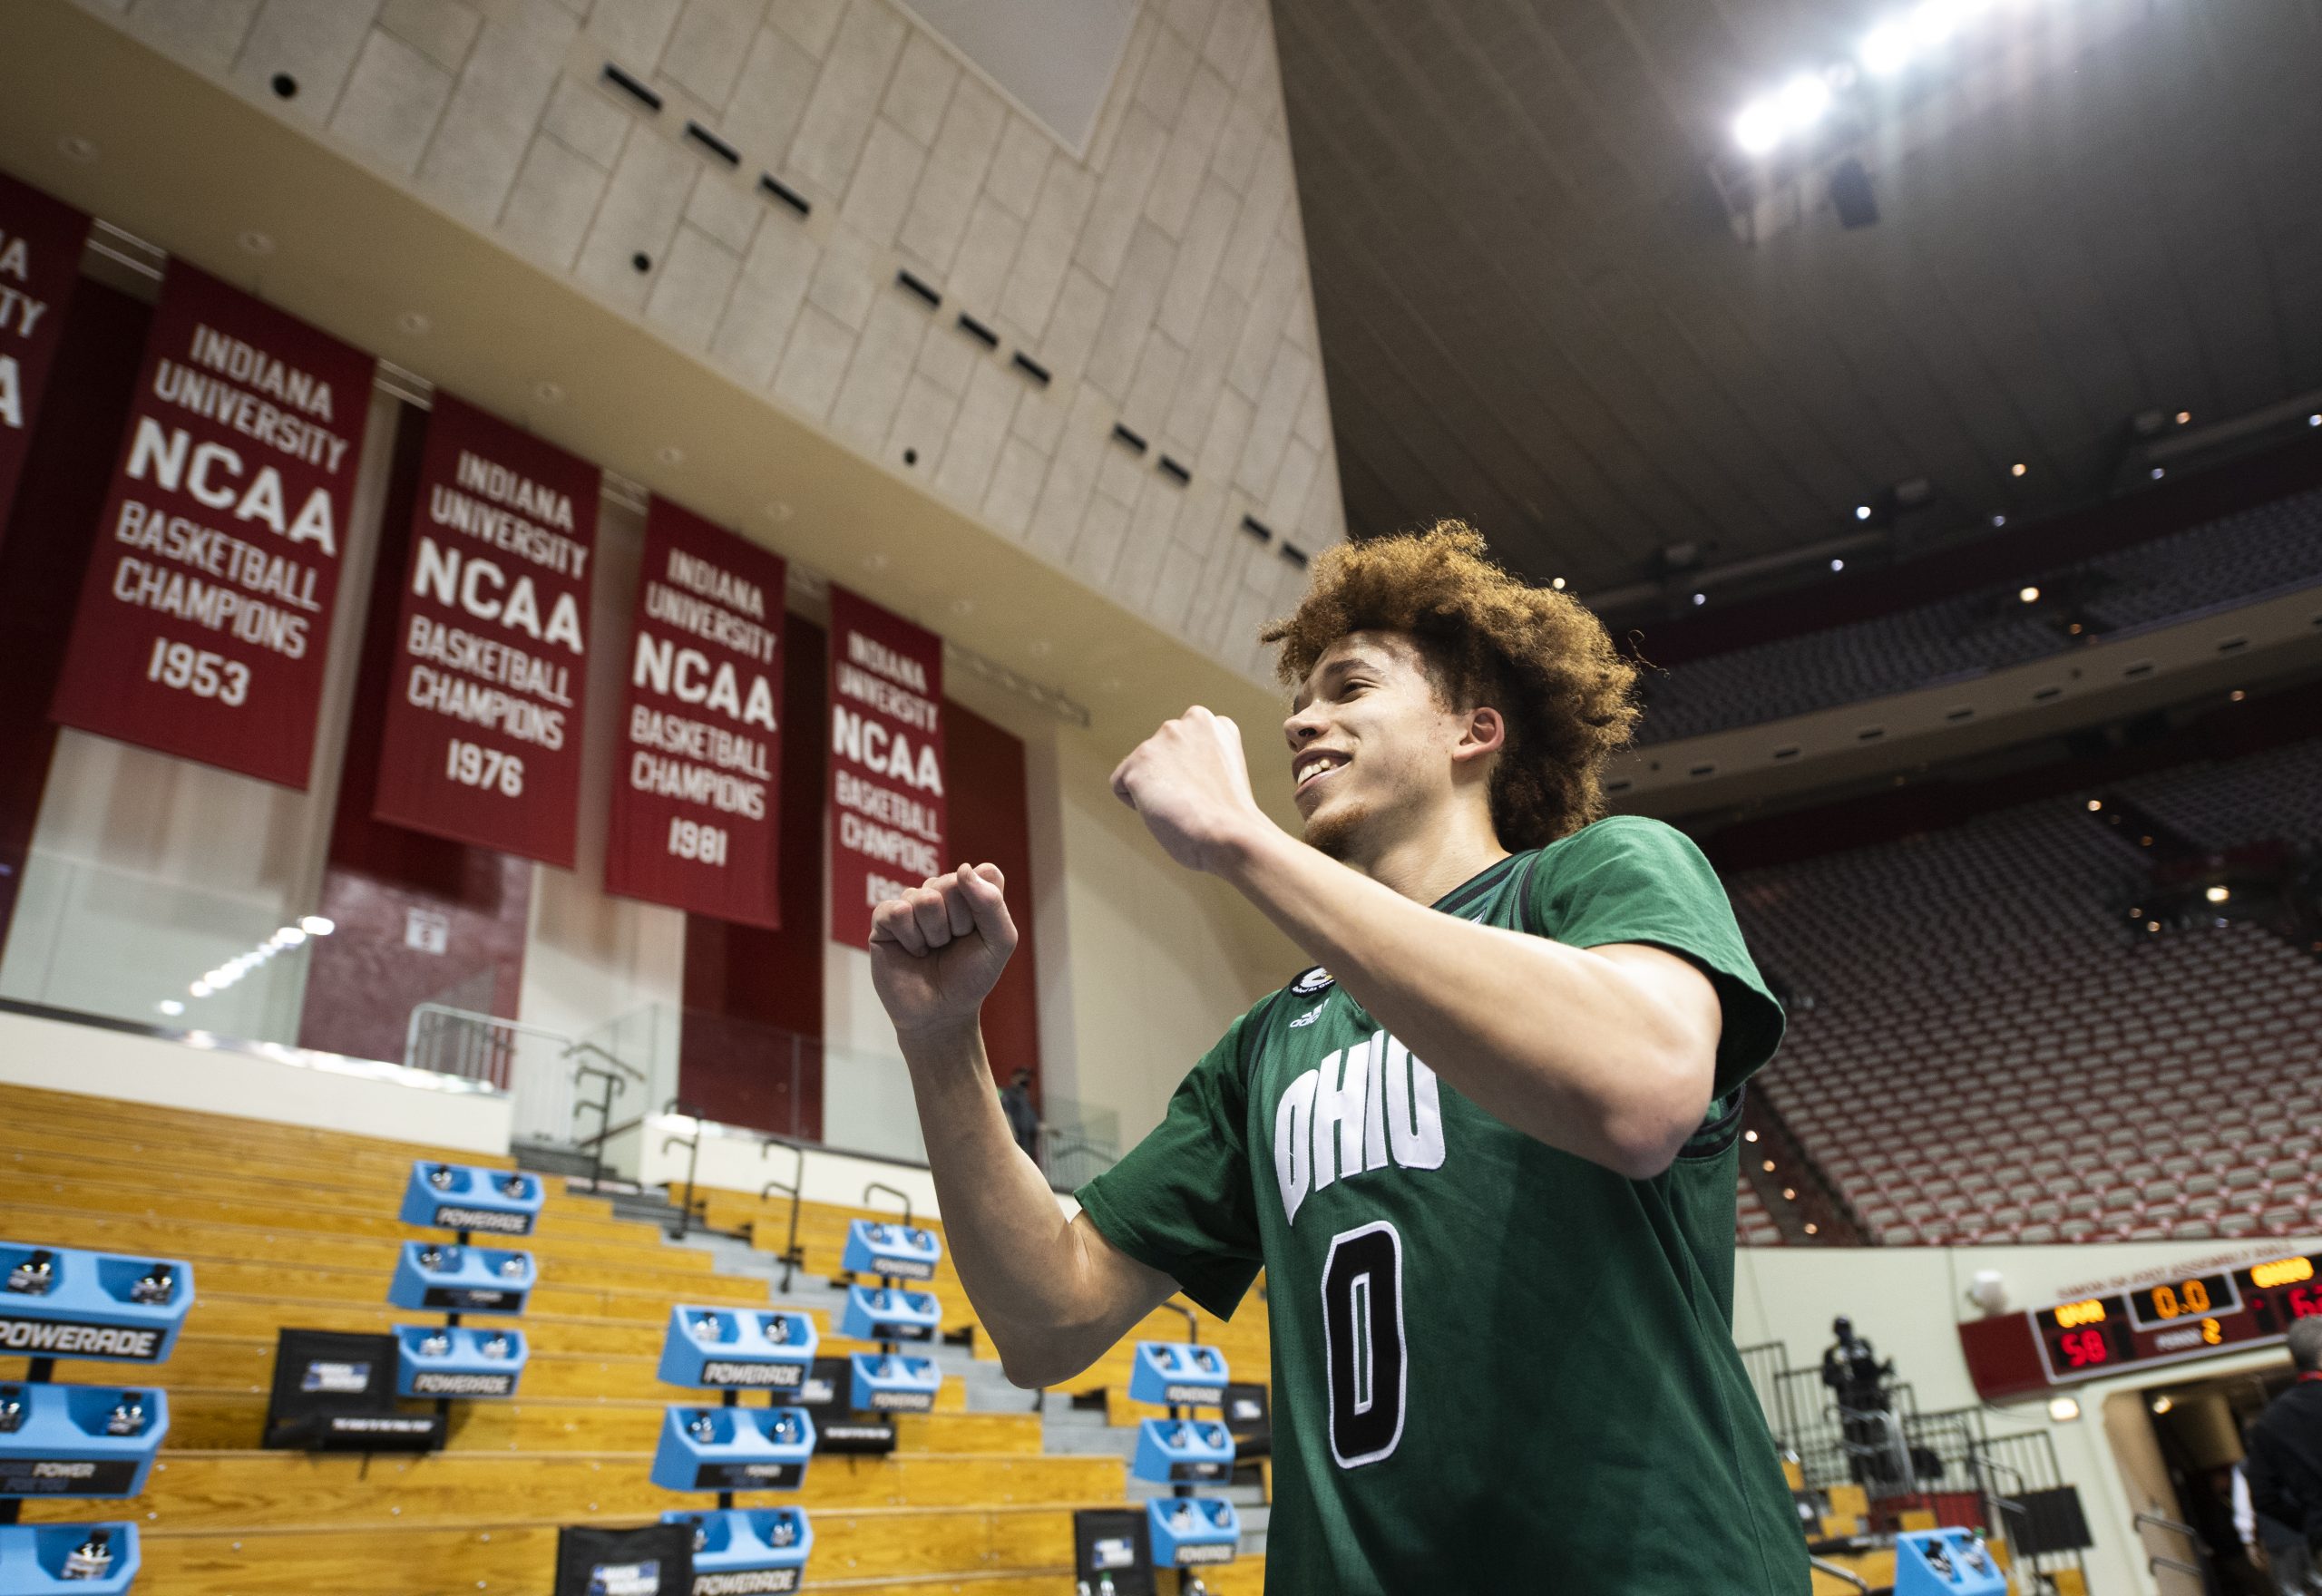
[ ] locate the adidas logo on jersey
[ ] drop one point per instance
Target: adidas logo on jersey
(1366, 1107)
(1307, 1019)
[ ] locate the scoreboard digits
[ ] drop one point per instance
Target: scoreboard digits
(2158, 1306)
(2196, 1316)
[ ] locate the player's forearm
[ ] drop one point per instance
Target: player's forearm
(1559, 1042)
(1028, 1272)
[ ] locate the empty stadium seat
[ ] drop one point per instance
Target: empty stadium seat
(2068, 1074)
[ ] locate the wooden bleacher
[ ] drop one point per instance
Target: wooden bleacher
(287, 1226)
(822, 1240)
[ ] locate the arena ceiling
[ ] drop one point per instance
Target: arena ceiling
(1538, 311)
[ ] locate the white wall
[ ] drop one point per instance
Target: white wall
(1909, 1301)
(1161, 278)
(284, 1085)
(1151, 961)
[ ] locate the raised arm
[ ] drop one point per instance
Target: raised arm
(1608, 1053)
(1053, 1294)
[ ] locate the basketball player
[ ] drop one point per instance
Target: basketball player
(1485, 1149)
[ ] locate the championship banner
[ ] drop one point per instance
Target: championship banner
(482, 737)
(887, 811)
(40, 263)
(694, 814)
(205, 619)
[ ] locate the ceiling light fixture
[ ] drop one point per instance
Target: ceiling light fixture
(2029, 594)
(1837, 565)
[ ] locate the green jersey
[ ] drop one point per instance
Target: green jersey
(1497, 1367)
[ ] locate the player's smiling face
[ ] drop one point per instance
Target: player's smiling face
(1371, 743)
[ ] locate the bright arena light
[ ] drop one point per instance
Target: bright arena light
(1886, 51)
(1862, 513)
(1759, 128)
(2029, 594)
(1805, 100)
(2218, 894)
(1837, 565)
(170, 1005)
(2062, 1409)
(315, 925)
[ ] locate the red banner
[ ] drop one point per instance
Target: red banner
(695, 814)
(40, 263)
(205, 619)
(887, 812)
(483, 736)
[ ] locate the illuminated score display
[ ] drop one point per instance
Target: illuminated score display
(2196, 1316)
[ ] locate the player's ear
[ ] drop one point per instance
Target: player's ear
(1483, 733)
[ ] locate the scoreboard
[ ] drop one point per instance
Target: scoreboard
(2174, 1321)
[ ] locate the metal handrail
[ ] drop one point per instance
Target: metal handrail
(623, 1065)
(2170, 1525)
(693, 1159)
(1844, 1576)
(2199, 1569)
(419, 1011)
(791, 1256)
(902, 1196)
(616, 1081)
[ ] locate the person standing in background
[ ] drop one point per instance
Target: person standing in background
(2285, 1465)
(1023, 1119)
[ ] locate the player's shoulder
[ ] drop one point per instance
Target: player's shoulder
(1615, 837)
(1617, 831)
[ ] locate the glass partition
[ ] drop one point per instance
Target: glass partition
(113, 943)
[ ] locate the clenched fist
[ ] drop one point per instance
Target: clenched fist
(937, 951)
(1189, 783)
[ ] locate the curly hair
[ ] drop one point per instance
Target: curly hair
(1535, 654)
